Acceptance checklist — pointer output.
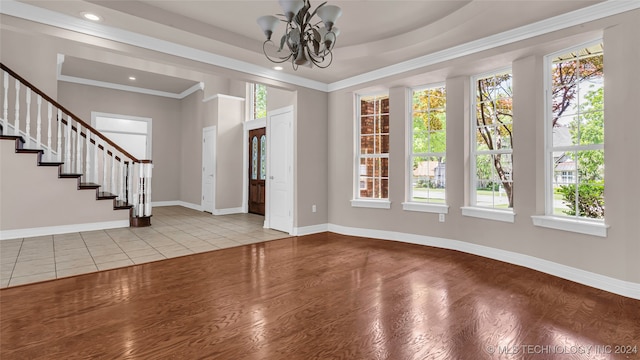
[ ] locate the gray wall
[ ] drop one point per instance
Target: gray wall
(166, 119)
(324, 125)
(611, 256)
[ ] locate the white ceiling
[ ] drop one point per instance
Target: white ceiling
(374, 34)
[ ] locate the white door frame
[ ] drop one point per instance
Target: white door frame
(214, 160)
(289, 157)
(248, 126)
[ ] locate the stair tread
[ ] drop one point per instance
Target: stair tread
(12, 137)
(70, 175)
(29, 151)
(50, 163)
(121, 205)
(89, 185)
(106, 195)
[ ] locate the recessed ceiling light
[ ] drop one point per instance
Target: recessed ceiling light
(132, 78)
(91, 16)
(277, 68)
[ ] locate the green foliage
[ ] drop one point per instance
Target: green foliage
(429, 121)
(259, 101)
(587, 130)
(590, 199)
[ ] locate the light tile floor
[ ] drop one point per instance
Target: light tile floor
(175, 231)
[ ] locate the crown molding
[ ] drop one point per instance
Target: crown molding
(52, 18)
(103, 84)
(222, 96)
(573, 18)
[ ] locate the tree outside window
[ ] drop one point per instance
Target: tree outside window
(258, 101)
(576, 119)
(492, 162)
(428, 145)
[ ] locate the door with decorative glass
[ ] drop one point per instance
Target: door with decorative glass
(257, 170)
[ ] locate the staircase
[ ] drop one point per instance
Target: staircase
(63, 140)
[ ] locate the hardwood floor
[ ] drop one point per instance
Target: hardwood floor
(323, 296)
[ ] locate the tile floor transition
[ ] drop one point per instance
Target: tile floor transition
(175, 231)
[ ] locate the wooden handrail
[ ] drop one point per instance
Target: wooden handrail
(69, 113)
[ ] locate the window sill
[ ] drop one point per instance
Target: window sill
(573, 225)
(375, 204)
(424, 207)
(489, 214)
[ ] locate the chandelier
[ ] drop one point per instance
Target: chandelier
(305, 43)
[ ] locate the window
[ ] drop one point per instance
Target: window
(132, 133)
(258, 101)
(491, 143)
(427, 149)
(373, 148)
(575, 132)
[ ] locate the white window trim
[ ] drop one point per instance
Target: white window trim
(149, 121)
(357, 201)
(249, 104)
(489, 214)
(371, 203)
(425, 207)
(565, 223)
(410, 205)
(507, 215)
(577, 225)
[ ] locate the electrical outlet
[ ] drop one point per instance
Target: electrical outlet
(313, 208)
(441, 217)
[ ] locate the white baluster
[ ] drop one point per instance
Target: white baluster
(104, 167)
(129, 183)
(134, 190)
(122, 180)
(28, 118)
(39, 123)
(147, 196)
(5, 104)
(87, 157)
(16, 124)
(139, 179)
(49, 115)
(79, 149)
(113, 172)
(67, 146)
(59, 130)
(95, 159)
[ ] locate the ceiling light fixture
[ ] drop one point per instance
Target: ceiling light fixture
(132, 78)
(91, 16)
(277, 68)
(307, 43)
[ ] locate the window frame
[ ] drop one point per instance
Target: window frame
(577, 224)
(251, 104)
(473, 209)
(409, 204)
(357, 200)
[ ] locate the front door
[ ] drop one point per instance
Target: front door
(257, 170)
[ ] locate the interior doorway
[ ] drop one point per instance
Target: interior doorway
(257, 170)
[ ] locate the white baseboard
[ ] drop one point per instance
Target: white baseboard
(602, 282)
(197, 207)
(308, 230)
(61, 229)
(237, 210)
(177, 203)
